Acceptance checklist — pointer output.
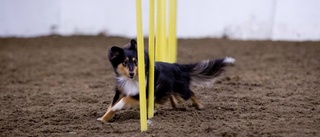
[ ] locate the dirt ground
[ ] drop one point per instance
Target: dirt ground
(59, 86)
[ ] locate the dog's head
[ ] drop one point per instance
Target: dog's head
(124, 60)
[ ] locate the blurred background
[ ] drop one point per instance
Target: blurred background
(289, 20)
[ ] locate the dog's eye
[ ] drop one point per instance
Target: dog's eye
(125, 63)
(135, 62)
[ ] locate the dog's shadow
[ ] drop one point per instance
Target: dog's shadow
(134, 114)
(125, 116)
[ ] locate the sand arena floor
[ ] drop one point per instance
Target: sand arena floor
(59, 86)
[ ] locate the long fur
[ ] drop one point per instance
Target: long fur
(176, 78)
(172, 80)
(205, 72)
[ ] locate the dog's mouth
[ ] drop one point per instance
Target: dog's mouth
(131, 76)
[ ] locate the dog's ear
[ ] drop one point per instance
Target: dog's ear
(133, 45)
(115, 52)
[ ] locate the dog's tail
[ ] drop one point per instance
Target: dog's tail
(205, 72)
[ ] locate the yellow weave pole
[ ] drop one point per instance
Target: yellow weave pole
(166, 48)
(158, 35)
(172, 36)
(161, 31)
(151, 58)
(141, 68)
(163, 37)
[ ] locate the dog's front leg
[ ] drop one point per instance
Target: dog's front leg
(124, 102)
(107, 116)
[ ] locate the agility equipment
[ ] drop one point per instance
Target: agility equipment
(165, 50)
(151, 58)
(141, 71)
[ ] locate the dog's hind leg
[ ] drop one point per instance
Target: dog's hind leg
(176, 100)
(124, 102)
(184, 93)
(189, 94)
(173, 101)
(196, 102)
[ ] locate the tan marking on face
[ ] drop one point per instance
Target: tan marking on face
(135, 70)
(127, 71)
(121, 70)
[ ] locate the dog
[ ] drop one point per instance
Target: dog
(172, 80)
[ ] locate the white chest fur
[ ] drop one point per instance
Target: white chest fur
(130, 87)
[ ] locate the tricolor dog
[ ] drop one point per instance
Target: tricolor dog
(172, 80)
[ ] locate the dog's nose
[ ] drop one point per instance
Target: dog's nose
(131, 74)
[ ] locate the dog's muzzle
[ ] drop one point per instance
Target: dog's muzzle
(131, 75)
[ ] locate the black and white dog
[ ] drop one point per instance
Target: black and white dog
(172, 80)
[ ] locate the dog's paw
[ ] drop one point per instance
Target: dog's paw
(155, 112)
(199, 106)
(101, 119)
(149, 122)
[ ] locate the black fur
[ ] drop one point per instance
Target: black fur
(175, 79)
(172, 80)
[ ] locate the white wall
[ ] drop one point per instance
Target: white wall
(237, 19)
(295, 20)
(28, 18)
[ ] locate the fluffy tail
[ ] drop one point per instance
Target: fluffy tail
(205, 72)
